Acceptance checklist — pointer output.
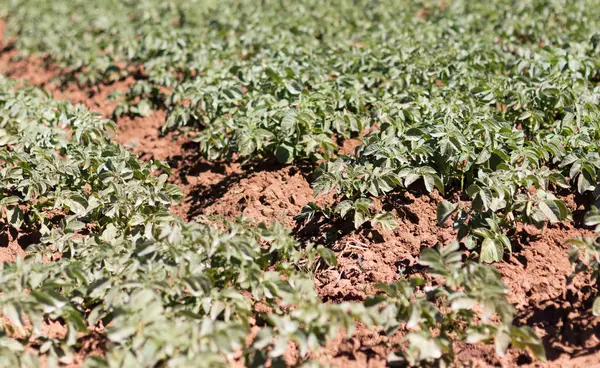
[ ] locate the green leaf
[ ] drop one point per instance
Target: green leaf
(284, 154)
(483, 157)
(75, 225)
(427, 347)
(550, 213)
(144, 108)
(445, 209)
(327, 255)
(75, 319)
(386, 220)
(15, 216)
(50, 300)
(279, 347)
(359, 219)
(429, 182)
(437, 181)
(584, 183)
(362, 205)
(524, 337)
(323, 184)
(491, 251)
(119, 333)
(501, 342)
(343, 207)
(12, 345)
(273, 75)
(77, 204)
(463, 303)
(9, 200)
(288, 122)
(411, 178)
(596, 307)
(14, 314)
(293, 87)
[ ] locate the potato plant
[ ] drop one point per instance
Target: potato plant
(112, 263)
(493, 105)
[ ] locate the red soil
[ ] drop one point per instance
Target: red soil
(534, 273)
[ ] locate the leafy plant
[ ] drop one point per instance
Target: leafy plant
(466, 303)
(493, 104)
(498, 202)
(158, 290)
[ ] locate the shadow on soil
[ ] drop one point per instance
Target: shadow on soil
(568, 323)
(203, 195)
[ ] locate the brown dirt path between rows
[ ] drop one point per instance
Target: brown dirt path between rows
(534, 273)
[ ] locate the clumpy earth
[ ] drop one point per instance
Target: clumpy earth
(535, 273)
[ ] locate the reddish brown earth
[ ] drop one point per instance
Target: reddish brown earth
(535, 273)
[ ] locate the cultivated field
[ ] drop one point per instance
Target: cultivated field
(267, 183)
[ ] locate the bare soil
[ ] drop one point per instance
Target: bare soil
(535, 273)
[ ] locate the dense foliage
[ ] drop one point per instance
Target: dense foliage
(495, 105)
(497, 99)
(165, 289)
(113, 263)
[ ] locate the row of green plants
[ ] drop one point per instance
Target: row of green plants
(497, 101)
(494, 105)
(113, 264)
(288, 79)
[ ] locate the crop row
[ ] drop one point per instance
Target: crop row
(113, 264)
(495, 105)
(495, 101)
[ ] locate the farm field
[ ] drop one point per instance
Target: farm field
(271, 183)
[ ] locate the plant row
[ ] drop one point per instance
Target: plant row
(114, 265)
